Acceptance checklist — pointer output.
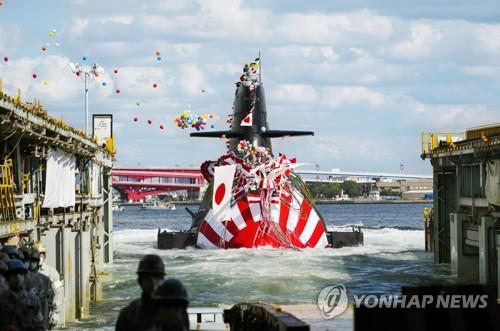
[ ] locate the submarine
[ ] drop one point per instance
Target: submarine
(269, 204)
(249, 118)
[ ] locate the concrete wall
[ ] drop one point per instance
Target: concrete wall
(69, 274)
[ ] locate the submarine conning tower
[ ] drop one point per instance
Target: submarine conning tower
(249, 119)
(242, 107)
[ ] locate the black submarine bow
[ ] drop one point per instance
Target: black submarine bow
(250, 102)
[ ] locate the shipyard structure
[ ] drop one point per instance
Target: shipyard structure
(464, 230)
(55, 189)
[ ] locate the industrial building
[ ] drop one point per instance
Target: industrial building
(56, 189)
(464, 229)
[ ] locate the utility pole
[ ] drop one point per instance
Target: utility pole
(87, 74)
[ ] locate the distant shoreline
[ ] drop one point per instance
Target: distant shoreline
(367, 202)
(318, 202)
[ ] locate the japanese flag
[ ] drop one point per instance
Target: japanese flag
(223, 184)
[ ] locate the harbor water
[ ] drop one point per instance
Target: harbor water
(393, 256)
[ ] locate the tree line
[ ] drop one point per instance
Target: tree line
(331, 190)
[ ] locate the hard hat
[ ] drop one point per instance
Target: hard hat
(41, 248)
(171, 291)
(16, 266)
(4, 257)
(151, 264)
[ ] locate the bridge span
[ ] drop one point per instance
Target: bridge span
(135, 183)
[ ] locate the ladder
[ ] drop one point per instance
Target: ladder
(7, 202)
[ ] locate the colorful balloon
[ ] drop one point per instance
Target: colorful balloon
(34, 76)
(150, 122)
(162, 127)
(155, 85)
(84, 58)
(135, 119)
(44, 49)
(117, 91)
(157, 53)
(137, 103)
(45, 82)
(115, 71)
(6, 59)
(158, 58)
(104, 83)
(57, 44)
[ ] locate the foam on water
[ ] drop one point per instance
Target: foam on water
(277, 275)
(392, 256)
(384, 240)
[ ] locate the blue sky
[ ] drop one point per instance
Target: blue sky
(367, 76)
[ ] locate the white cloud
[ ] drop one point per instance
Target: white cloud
(480, 70)
(353, 95)
(61, 85)
(218, 69)
(453, 117)
(120, 19)
(187, 49)
(78, 26)
(228, 18)
(335, 149)
(488, 38)
(324, 29)
(11, 39)
(191, 79)
(294, 93)
(138, 81)
(309, 53)
(423, 38)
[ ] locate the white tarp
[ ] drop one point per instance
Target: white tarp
(96, 181)
(60, 180)
(493, 182)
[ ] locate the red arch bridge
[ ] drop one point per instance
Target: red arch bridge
(135, 183)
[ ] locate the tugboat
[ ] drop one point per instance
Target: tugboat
(254, 198)
(117, 208)
(155, 205)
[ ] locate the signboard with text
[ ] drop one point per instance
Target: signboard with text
(102, 127)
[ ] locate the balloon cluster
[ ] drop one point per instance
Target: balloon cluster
(244, 146)
(186, 119)
(52, 34)
(252, 153)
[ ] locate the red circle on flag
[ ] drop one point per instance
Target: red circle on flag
(219, 193)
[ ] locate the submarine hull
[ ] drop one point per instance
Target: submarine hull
(269, 203)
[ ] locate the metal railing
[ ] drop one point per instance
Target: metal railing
(433, 140)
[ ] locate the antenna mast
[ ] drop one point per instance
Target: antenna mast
(260, 68)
